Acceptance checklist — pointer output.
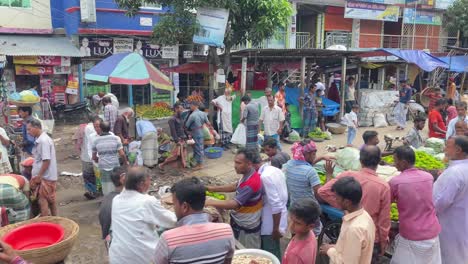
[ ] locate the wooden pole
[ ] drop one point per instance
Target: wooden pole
(303, 82)
(211, 90)
(244, 75)
(343, 81)
(270, 73)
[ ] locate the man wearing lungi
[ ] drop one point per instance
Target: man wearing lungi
(44, 170)
(194, 125)
(224, 105)
(401, 109)
(250, 119)
(149, 142)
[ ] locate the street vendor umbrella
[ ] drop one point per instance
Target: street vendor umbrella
(130, 69)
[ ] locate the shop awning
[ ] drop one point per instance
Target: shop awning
(456, 63)
(422, 59)
(17, 45)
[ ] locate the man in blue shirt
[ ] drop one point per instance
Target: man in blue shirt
(194, 125)
(143, 127)
(401, 109)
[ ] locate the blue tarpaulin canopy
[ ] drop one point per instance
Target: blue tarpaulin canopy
(456, 63)
(422, 59)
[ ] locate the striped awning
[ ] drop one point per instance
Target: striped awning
(18, 45)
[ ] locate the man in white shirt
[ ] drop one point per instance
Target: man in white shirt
(224, 105)
(136, 218)
(461, 111)
(44, 169)
(320, 87)
(272, 118)
(263, 101)
(5, 166)
(274, 210)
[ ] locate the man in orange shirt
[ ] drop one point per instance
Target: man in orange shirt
(375, 193)
(437, 127)
(280, 97)
(452, 87)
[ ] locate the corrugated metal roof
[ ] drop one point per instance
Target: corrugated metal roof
(18, 45)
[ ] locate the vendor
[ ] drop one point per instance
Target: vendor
(437, 127)
(414, 137)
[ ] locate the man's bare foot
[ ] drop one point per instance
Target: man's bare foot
(198, 167)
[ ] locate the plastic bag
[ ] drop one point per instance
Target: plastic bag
(294, 136)
(437, 144)
(429, 151)
(206, 133)
(379, 120)
(240, 135)
(348, 159)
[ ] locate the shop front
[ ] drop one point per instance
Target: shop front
(95, 49)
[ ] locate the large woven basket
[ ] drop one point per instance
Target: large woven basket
(51, 254)
(336, 128)
(21, 103)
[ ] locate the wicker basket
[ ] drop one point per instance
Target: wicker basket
(424, 99)
(51, 254)
(21, 103)
(335, 128)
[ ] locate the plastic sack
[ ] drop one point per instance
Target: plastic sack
(206, 133)
(294, 136)
(348, 159)
(437, 144)
(379, 120)
(429, 151)
(440, 156)
(28, 96)
(134, 146)
(240, 135)
(15, 96)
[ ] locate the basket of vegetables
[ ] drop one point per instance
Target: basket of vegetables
(158, 110)
(424, 161)
(318, 135)
(214, 152)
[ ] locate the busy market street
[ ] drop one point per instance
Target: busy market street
(233, 132)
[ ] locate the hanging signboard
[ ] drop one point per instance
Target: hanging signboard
(421, 17)
(370, 11)
(443, 4)
(122, 45)
(41, 70)
(105, 47)
(42, 60)
(212, 23)
(88, 11)
(170, 52)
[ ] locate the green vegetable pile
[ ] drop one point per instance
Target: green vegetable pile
(424, 161)
(294, 137)
(211, 150)
(317, 133)
(216, 195)
(322, 177)
(394, 212)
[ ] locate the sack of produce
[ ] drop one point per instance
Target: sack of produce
(294, 136)
(440, 156)
(348, 159)
(239, 136)
(379, 120)
(429, 151)
(206, 133)
(437, 144)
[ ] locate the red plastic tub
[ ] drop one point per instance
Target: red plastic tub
(35, 235)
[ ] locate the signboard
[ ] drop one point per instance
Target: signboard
(146, 21)
(369, 11)
(386, 2)
(170, 52)
(421, 17)
(443, 4)
(213, 23)
(104, 47)
(42, 60)
(147, 49)
(88, 11)
(41, 70)
(122, 45)
(188, 54)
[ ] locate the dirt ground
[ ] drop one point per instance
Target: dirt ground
(89, 248)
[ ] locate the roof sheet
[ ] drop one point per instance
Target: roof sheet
(19, 45)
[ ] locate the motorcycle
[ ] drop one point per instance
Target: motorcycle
(72, 113)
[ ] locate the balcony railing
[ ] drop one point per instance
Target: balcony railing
(419, 42)
(304, 40)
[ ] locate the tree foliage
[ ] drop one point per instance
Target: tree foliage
(249, 20)
(457, 16)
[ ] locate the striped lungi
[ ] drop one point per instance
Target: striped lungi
(252, 136)
(15, 200)
(150, 149)
(88, 176)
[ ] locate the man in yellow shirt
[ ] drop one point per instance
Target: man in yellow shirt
(452, 87)
(356, 241)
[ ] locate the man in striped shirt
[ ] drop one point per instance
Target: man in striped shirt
(195, 240)
(247, 204)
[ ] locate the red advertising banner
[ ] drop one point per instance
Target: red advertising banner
(42, 60)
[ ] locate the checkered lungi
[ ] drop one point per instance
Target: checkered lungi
(5, 167)
(252, 136)
(17, 203)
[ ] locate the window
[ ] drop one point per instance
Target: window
(16, 3)
(147, 5)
